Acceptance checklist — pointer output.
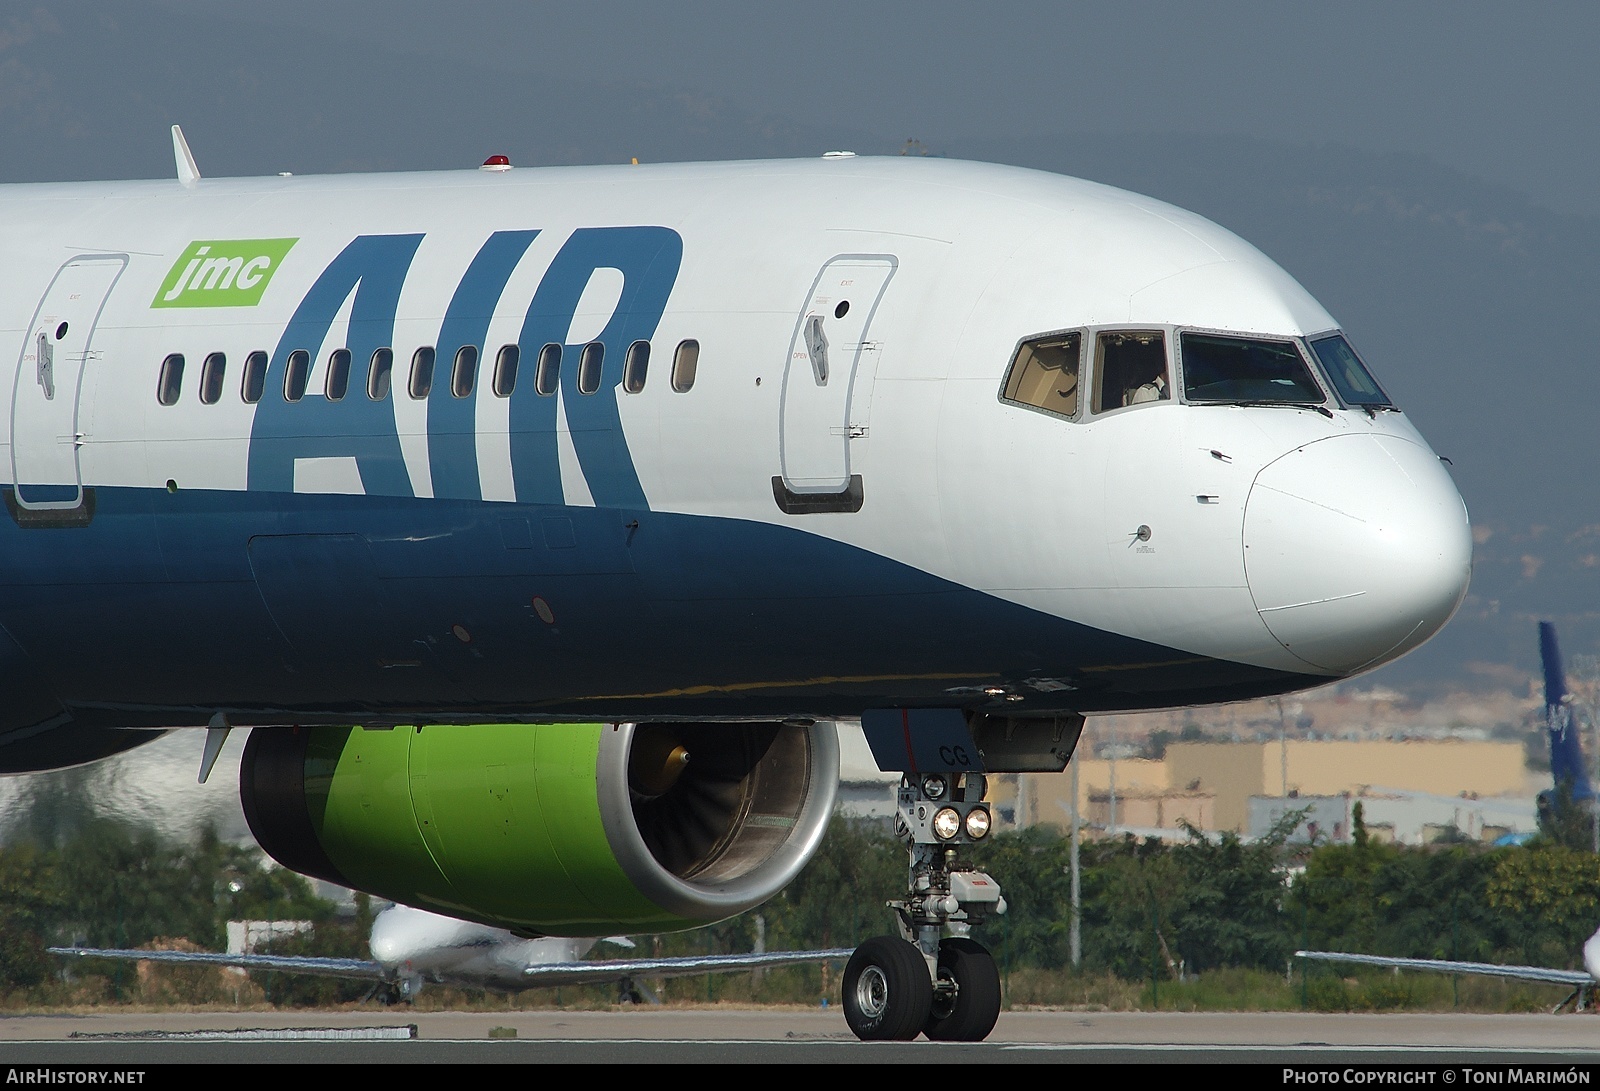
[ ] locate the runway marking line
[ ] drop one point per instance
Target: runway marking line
(1078, 1047)
(1298, 1047)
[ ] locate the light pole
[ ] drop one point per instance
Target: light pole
(1075, 936)
(1587, 670)
(1111, 752)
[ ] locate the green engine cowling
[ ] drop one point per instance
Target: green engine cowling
(555, 829)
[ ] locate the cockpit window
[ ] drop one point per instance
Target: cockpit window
(1045, 373)
(1130, 369)
(1349, 375)
(1239, 369)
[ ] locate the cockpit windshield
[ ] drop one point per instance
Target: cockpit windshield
(1044, 374)
(1349, 375)
(1240, 369)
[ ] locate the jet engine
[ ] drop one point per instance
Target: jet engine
(550, 829)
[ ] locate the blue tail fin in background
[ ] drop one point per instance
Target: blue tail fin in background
(1566, 756)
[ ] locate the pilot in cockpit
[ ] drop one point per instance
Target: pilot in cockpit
(1153, 389)
(1132, 369)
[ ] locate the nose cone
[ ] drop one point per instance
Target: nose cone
(388, 941)
(1591, 955)
(1357, 549)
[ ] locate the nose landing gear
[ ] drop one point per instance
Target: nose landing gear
(922, 981)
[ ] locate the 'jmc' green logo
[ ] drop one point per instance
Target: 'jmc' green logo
(222, 273)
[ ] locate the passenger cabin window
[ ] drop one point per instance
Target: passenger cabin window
(1045, 373)
(211, 378)
(253, 383)
(380, 374)
(634, 365)
(591, 361)
(1241, 369)
(505, 370)
(547, 376)
(1350, 376)
(421, 372)
(464, 375)
(1130, 369)
(684, 363)
(296, 375)
(337, 384)
(170, 384)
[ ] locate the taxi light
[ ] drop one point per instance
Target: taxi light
(933, 786)
(946, 823)
(978, 823)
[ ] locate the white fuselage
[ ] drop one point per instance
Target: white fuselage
(413, 945)
(991, 549)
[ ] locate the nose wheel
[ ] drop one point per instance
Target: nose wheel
(966, 1000)
(889, 997)
(887, 992)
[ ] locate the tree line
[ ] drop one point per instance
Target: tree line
(1149, 910)
(1212, 902)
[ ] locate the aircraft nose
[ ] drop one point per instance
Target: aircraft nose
(385, 950)
(1357, 549)
(385, 942)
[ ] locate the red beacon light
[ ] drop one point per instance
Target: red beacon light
(496, 163)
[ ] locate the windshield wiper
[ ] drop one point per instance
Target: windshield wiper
(1324, 410)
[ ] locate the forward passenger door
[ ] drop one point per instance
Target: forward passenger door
(831, 363)
(58, 348)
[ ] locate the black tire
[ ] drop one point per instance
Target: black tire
(887, 990)
(968, 1015)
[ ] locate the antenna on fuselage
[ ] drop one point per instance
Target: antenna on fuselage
(188, 173)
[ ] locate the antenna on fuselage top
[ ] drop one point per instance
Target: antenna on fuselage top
(188, 173)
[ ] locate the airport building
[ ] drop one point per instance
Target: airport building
(1392, 815)
(1412, 791)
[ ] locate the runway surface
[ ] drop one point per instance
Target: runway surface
(776, 1035)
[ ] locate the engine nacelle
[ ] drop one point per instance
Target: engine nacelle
(555, 829)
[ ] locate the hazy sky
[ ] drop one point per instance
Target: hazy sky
(1503, 91)
(1279, 120)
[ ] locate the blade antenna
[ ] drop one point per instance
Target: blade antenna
(188, 173)
(216, 735)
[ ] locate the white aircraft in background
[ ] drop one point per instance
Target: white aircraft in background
(539, 522)
(1583, 982)
(411, 947)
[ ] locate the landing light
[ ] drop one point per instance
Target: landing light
(947, 823)
(978, 824)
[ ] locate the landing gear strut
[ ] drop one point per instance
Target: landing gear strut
(923, 981)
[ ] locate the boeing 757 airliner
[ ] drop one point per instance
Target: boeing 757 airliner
(538, 521)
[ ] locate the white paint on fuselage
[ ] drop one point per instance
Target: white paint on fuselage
(595, 306)
(574, 486)
(336, 474)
